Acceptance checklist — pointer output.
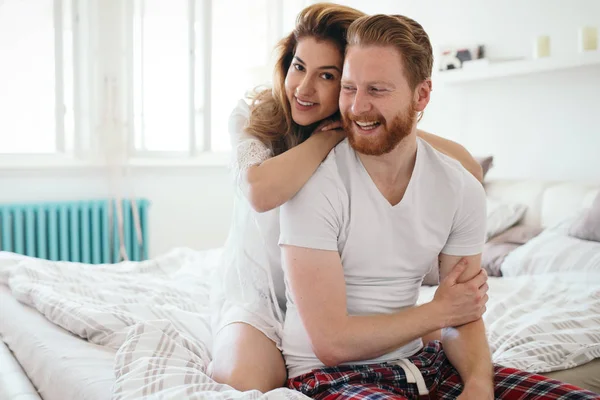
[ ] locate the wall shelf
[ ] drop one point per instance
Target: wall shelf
(494, 70)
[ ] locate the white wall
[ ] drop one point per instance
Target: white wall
(189, 206)
(545, 126)
(537, 126)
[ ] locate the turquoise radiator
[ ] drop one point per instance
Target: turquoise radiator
(81, 231)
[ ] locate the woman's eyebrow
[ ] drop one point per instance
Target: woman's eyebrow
(299, 59)
(322, 67)
(331, 67)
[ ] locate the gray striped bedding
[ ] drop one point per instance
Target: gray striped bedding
(157, 315)
(542, 323)
(156, 360)
(553, 251)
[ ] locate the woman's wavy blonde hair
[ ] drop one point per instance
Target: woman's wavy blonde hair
(270, 111)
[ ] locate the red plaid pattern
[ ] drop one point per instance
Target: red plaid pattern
(387, 381)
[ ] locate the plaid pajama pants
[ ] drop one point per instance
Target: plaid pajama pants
(389, 381)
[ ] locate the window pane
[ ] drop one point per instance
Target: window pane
(27, 78)
(242, 46)
(68, 37)
(161, 75)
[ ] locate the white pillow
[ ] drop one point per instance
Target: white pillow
(552, 251)
(502, 215)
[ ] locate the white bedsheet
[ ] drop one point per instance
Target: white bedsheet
(101, 302)
(156, 315)
(542, 323)
(49, 355)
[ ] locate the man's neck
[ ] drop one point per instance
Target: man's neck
(391, 172)
(396, 166)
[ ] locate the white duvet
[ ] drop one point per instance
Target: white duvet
(157, 315)
(542, 323)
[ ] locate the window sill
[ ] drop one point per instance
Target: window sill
(220, 159)
(15, 163)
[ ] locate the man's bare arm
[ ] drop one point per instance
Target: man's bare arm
(318, 289)
(466, 346)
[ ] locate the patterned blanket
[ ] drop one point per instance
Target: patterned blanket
(156, 315)
(542, 323)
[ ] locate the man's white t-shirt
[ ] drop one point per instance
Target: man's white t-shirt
(385, 250)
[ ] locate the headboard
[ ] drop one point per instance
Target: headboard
(548, 202)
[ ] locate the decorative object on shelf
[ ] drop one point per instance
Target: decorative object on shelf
(541, 46)
(588, 38)
(486, 62)
(455, 58)
(487, 68)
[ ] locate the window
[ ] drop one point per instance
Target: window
(192, 61)
(36, 85)
(149, 78)
(242, 44)
(161, 79)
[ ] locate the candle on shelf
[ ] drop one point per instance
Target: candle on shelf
(588, 38)
(541, 47)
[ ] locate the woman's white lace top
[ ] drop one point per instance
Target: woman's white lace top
(250, 275)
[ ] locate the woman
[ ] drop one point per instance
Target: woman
(279, 142)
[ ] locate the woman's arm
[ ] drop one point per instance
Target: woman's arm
(454, 150)
(276, 180)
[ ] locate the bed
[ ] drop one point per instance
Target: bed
(552, 206)
(50, 355)
(520, 328)
(141, 329)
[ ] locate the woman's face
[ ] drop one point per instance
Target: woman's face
(312, 83)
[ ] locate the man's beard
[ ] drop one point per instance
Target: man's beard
(383, 142)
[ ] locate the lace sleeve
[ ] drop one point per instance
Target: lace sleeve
(249, 152)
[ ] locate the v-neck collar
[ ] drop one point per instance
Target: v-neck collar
(409, 188)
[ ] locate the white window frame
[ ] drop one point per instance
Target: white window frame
(74, 154)
(199, 151)
(102, 32)
(61, 154)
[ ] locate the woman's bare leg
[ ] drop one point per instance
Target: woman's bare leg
(246, 359)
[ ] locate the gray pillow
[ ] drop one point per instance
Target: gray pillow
(493, 256)
(587, 225)
(486, 163)
(519, 234)
(496, 250)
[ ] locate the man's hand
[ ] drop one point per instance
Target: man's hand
(461, 303)
(477, 390)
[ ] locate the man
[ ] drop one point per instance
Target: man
(358, 239)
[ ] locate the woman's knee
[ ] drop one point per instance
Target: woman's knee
(245, 379)
(245, 359)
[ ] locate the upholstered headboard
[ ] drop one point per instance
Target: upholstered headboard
(548, 202)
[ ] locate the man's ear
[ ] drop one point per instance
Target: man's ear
(422, 95)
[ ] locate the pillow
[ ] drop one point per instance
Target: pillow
(502, 215)
(486, 163)
(553, 251)
(494, 251)
(520, 234)
(494, 255)
(587, 225)
(499, 247)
